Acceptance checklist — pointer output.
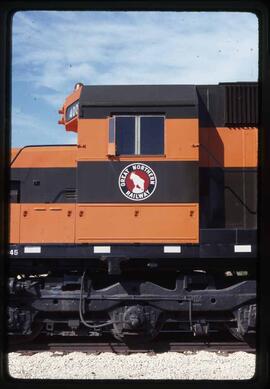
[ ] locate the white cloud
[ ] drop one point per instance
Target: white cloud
(30, 129)
(193, 48)
(54, 50)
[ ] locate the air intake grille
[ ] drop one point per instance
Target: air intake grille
(241, 104)
(70, 194)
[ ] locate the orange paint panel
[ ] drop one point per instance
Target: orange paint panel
(181, 141)
(93, 139)
(47, 223)
(56, 156)
(14, 228)
(229, 147)
(148, 223)
(251, 148)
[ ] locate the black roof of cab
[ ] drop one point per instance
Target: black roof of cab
(224, 104)
(115, 95)
(106, 100)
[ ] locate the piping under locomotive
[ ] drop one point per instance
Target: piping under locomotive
(147, 224)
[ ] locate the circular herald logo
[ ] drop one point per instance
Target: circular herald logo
(137, 181)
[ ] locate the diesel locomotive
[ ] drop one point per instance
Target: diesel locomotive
(148, 224)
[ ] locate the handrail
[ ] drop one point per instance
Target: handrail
(28, 146)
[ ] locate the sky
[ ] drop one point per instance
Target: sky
(52, 50)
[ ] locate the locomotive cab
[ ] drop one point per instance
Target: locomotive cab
(137, 165)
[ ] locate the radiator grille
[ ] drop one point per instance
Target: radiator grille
(241, 104)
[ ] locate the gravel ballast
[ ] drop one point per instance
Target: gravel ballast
(169, 365)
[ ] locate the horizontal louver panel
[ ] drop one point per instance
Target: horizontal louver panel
(241, 105)
(71, 194)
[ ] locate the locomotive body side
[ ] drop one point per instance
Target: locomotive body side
(205, 175)
(158, 198)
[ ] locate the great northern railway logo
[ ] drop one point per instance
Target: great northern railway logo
(137, 181)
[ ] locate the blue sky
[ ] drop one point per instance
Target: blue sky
(54, 50)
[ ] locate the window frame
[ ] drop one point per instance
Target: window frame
(137, 134)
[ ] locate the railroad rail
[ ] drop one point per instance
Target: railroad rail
(96, 347)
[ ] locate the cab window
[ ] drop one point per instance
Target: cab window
(139, 135)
